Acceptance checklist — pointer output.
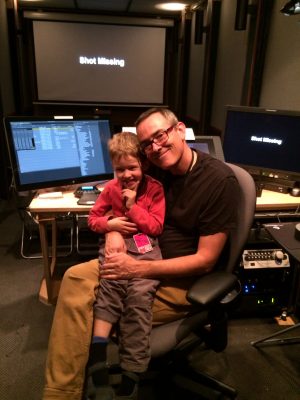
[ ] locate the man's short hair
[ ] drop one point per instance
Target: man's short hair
(165, 112)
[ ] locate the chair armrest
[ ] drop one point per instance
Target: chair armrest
(211, 287)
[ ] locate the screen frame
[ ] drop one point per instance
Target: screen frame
(260, 172)
(56, 183)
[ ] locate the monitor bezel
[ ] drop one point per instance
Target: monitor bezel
(51, 184)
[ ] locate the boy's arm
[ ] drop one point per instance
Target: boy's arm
(100, 213)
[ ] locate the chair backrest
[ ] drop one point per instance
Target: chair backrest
(166, 337)
(246, 210)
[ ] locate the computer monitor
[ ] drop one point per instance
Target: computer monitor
(48, 152)
(208, 144)
(265, 142)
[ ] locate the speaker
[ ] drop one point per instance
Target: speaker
(199, 27)
(241, 15)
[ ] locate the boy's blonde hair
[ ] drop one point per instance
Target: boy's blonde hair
(124, 144)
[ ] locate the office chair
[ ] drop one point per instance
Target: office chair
(30, 237)
(87, 241)
(214, 293)
(30, 247)
(273, 340)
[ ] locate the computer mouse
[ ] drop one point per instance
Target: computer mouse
(295, 192)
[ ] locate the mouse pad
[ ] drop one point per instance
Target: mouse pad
(284, 233)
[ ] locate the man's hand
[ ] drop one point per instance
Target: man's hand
(119, 266)
(122, 225)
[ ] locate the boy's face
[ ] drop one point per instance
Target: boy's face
(128, 171)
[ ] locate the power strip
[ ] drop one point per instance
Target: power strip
(265, 258)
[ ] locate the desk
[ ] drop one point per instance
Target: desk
(277, 201)
(48, 210)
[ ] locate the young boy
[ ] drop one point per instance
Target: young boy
(136, 202)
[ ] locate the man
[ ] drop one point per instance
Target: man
(201, 200)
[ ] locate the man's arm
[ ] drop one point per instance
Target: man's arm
(122, 266)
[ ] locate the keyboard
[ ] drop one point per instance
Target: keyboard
(86, 190)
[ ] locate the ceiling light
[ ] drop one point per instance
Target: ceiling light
(171, 6)
(291, 8)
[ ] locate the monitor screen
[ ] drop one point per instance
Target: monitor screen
(47, 152)
(99, 63)
(208, 144)
(265, 142)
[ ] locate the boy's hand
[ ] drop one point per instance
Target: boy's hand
(129, 197)
(122, 225)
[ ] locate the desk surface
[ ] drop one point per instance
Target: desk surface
(276, 201)
(284, 234)
(68, 203)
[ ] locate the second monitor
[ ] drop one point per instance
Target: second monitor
(208, 144)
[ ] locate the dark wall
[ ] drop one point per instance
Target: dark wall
(193, 76)
(7, 99)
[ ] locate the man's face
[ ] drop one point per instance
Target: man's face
(168, 154)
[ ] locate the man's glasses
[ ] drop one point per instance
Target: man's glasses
(160, 139)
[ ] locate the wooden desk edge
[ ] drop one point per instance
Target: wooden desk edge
(277, 207)
(43, 294)
(67, 203)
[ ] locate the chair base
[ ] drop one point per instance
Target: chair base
(268, 340)
(204, 385)
(176, 372)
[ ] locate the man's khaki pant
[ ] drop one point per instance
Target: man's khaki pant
(71, 331)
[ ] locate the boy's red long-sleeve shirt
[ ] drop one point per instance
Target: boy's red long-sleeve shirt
(147, 213)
